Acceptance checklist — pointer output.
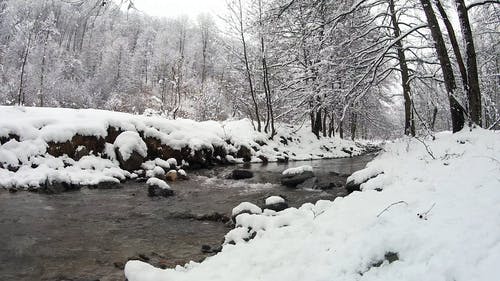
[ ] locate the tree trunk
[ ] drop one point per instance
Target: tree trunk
(474, 93)
(405, 77)
(247, 67)
(354, 120)
(20, 93)
(457, 111)
(42, 70)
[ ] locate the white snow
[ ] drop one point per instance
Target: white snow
(157, 182)
(182, 173)
(457, 190)
(37, 127)
(246, 206)
(274, 200)
(298, 170)
(128, 142)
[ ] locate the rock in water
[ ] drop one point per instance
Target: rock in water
(245, 208)
(276, 203)
(157, 187)
(295, 176)
(171, 175)
(240, 174)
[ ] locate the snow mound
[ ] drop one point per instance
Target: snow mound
(434, 207)
(157, 182)
(128, 142)
(274, 200)
(297, 170)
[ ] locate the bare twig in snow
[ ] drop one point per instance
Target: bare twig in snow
(426, 148)
(388, 207)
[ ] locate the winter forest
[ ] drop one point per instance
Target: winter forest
(360, 69)
(270, 140)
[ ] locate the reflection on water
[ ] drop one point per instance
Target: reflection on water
(80, 235)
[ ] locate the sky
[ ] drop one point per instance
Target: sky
(173, 8)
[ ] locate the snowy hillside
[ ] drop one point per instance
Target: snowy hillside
(432, 213)
(87, 146)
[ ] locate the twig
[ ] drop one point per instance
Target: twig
(426, 148)
(388, 207)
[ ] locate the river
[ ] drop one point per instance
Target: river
(89, 234)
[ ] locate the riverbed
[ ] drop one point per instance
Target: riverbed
(89, 234)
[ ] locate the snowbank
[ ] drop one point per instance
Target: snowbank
(33, 139)
(436, 218)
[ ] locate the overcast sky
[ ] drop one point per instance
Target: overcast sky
(173, 8)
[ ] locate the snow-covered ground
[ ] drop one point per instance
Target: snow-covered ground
(32, 138)
(436, 216)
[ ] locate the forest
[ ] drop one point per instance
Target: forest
(352, 68)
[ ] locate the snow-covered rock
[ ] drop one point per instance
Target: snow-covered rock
(436, 218)
(245, 208)
(130, 150)
(275, 203)
(295, 176)
(158, 187)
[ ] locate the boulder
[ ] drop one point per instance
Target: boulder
(276, 203)
(171, 175)
(182, 175)
(245, 153)
(294, 180)
(245, 208)
(130, 150)
(157, 187)
(240, 174)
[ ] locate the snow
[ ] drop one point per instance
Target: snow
(128, 142)
(297, 170)
(182, 173)
(457, 238)
(37, 128)
(246, 206)
(274, 200)
(157, 182)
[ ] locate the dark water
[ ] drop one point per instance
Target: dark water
(81, 235)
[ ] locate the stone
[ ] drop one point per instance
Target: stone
(154, 191)
(276, 204)
(352, 185)
(132, 163)
(171, 175)
(295, 179)
(206, 249)
(240, 174)
(245, 153)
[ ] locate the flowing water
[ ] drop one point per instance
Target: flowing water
(89, 234)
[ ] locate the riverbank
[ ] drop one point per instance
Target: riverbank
(428, 209)
(68, 148)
